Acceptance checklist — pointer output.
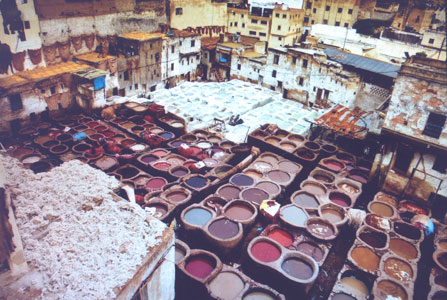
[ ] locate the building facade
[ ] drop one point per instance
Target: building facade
(331, 12)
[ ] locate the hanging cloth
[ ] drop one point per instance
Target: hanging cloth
(35, 55)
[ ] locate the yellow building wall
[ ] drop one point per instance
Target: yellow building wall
(318, 14)
(197, 13)
(286, 27)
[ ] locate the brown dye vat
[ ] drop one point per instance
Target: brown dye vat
(224, 229)
(255, 195)
(373, 238)
(128, 125)
(328, 149)
(345, 158)
(387, 288)
(80, 148)
(128, 172)
(359, 175)
(321, 228)
(137, 129)
(179, 171)
(128, 142)
(365, 258)
(348, 188)
(398, 269)
(288, 146)
(441, 280)
(305, 199)
(175, 160)
(270, 158)
(92, 124)
(137, 120)
(333, 164)
(22, 151)
(381, 209)
(440, 259)
(177, 196)
(296, 138)
(189, 138)
(333, 213)
(279, 176)
(229, 192)
(289, 167)
(270, 187)
(259, 133)
(403, 249)
(305, 154)
(227, 144)
(96, 136)
(439, 295)
(42, 139)
(407, 230)
(312, 146)
(239, 211)
(59, 149)
(80, 128)
(340, 199)
(101, 128)
(90, 132)
(272, 140)
(106, 163)
(314, 188)
(388, 199)
(214, 139)
(311, 249)
(281, 133)
(322, 176)
(378, 222)
(262, 166)
(109, 133)
(442, 244)
(141, 181)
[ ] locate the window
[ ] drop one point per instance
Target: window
(242, 16)
(235, 24)
(274, 74)
(206, 55)
(254, 21)
(314, 10)
(26, 25)
(252, 32)
(126, 75)
(136, 84)
(294, 60)
(238, 66)
(340, 10)
(193, 43)
(350, 11)
(284, 16)
(312, 22)
(301, 81)
(276, 59)
(279, 27)
(279, 38)
(231, 24)
(418, 18)
(172, 67)
(234, 13)
(172, 49)
(306, 20)
(264, 22)
(431, 41)
(404, 156)
(243, 25)
(328, 7)
(179, 11)
(440, 164)
(53, 90)
(16, 102)
(277, 15)
(308, 4)
(324, 21)
(346, 25)
(262, 34)
(435, 124)
(304, 63)
(150, 45)
(337, 23)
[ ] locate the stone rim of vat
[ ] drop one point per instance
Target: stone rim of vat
(199, 252)
(376, 291)
(349, 271)
(234, 202)
(313, 220)
(190, 226)
(436, 254)
(182, 245)
(338, 208)
(368, 229)
(393, 216)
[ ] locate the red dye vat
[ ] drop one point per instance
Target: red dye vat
(101, 128)
(414, 209)
(281, 237)
(160, 153)
(162, 165)
(128, 142)
(188, 151)
(155, 184)
(265, 251)
(108, 133)
(92, 124)
(333, 165)
(200, 266)
(340, 199)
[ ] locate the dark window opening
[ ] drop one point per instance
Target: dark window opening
(431, 41)
(262, 34)
(179, 11)
(26, 25)
(16, 102)
(325, 22)
(126, 75)
(337, 23)
(294, 60)
(340, 10)
(264, 22)
(315, 10)
(328, 8)
(153, 88)
(434, 126)
(301, 82)
(350, 11)
(115, 91)
(346, 25)
(238, 66)
(276, 59)
(304, 63)
(172, 49)
(274, 74)
(53, 90)
(193, 43)
(279, 27)
(404, 156)
(252, 32)
(136, 85)
(254, 21)
(172, 67)
(440, 164)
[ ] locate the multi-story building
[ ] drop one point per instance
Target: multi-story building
(415, 132)
(277, 24)
(332, 12)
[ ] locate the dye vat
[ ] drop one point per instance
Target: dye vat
(289, 167)
(148, 158)
(386, 289)
(333, 165)
(298, 268)
(365, 258)
(106, 163)
(161, 165)
(314, 188)
(340, 199)
(228, 192)
(413, 208)
(279, 176)
(333, 213)
(160, 152)
(270, 187)
(221, 170)
(294, 215)
(197, 216)
(281, 236)
(322, 176)
(398, 269)
(258, 294)
(253, 173)
(155, 184)
(177, 196)
(321, 229)
(378, 222)
(439, 295)
(273, 140)
(440, 258)
(381, 209)
(354, 285)
(407, 230)
(358, 175)
(311, 249)
(223, 229)
(263, 166)
(197, 182)
(30, 158)
(265, 251)
(296, 138)
(241, 180)
(348, 188)
(226, 285)
(40, 166)
(254, 195)
(342, 296)
(374, 239)
(167, 135)
(305, 154)
(127, 172)
(239, 211)
(287, 146)
(160, 209)
(305, 199)
(179, 172)
(200, 266)
(403, 249)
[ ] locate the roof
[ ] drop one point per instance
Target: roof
(10, 81)
(93, 57)
(344, 120)
(142, 36)
(52, 70)
(90, 73)
(362, 62)
(252, 54)
(231, 45)
(209, 43)
(184, 33)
